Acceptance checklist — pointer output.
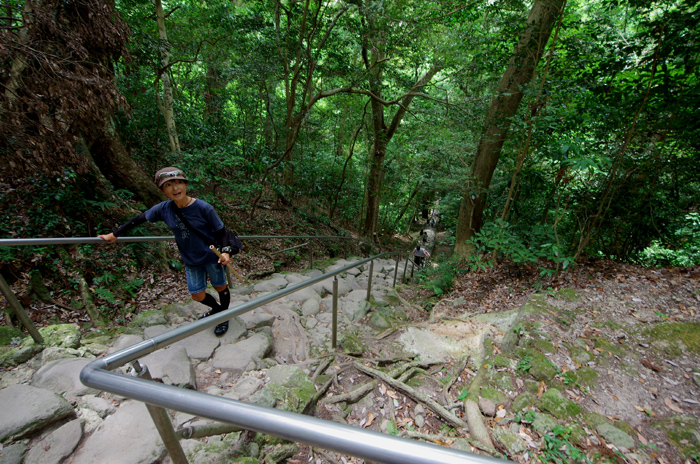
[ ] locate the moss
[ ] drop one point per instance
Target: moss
(545, 346)
(580, 356)
(523, 401)
(567, 294)
(594, 419)
(352, 344)
(627, 428)
(7, 334)
(532, 386)
(62, 335)
(501, 361)
(688, 333)
(578, 434)
(553, 402)
(587, 376)
(606, 347)
(494, 395)
(544, 423)
(682, 432)
(543, 369)
(501, 380)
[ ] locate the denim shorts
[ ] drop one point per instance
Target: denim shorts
(197, 277)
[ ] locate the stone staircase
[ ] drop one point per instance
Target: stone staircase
(269, 357)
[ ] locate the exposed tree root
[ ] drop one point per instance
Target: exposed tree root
(353, 396)
(419, 397)
(471, 405)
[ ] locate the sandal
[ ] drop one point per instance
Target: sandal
(221, 329)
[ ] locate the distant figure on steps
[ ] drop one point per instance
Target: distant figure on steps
(420, 254)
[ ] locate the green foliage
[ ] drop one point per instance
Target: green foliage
(499, 239)
(440, 279)
(463, 395)
(525, 417)
(683, 248)
(558, 449)
(524, 365)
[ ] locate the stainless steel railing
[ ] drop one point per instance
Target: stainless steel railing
(343, 438)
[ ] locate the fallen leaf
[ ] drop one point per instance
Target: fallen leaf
(669, 403)
(639, 408)
(370, 419)
(541, 389)
(650, 365)
(615, 398)
(642, 440)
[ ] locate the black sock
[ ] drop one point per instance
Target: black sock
(224, 299)
(211, 302)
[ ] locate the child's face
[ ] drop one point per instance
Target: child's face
(175, 189)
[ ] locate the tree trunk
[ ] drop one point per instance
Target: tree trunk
(113, 161)
(504, 105)
(382, 135)
(166, 103)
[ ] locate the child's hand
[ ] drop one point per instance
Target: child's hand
(110, 237)
(225, 259)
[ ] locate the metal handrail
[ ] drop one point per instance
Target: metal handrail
(12, 242)
(362, 443)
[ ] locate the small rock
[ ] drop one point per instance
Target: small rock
(487, 407)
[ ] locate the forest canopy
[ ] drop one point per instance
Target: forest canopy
(556, 130)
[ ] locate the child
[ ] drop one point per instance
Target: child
(193, 245)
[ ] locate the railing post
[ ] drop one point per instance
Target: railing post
(396, 269)
(334, 333)
(311, 256)
(369, 281)
(19, 311)
(405, 268)
(162, 422)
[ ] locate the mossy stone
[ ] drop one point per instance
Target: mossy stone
(380, 321)
(682, 432)
(542, 369)
(594, 419)
(61, 335)
(587, 375)
(501, 380)
(494, 395)
(149, 318)
(532, 386)
(500, 361)
(544, 423)
(567, 294)
(545, 346)
(291, 387)
(512, 442)
(352, 344)
(8, 334)
(615, 436)
(687, 333)
(580, 356)
(523, 401)
(554, 402)
(606, 347)
(578, 434)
